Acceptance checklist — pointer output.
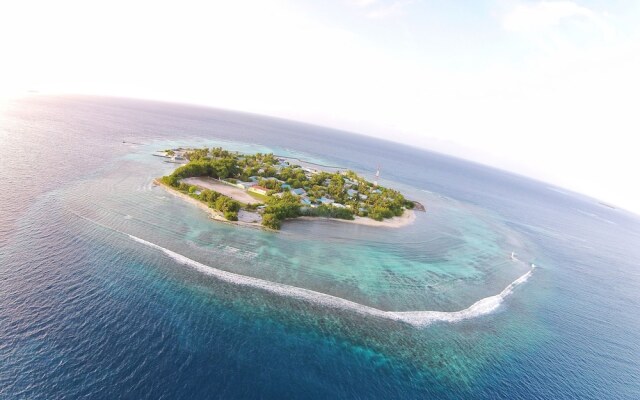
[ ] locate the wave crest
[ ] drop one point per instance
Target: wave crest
(415, 318)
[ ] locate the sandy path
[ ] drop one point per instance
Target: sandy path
(227, 190)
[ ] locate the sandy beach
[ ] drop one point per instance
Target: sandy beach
(407, 218)
(245, 218)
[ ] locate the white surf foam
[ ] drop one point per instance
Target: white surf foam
(415, 318)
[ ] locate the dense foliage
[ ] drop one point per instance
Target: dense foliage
(280, 208)
(215, 200)
(327, 212)
(324, 194)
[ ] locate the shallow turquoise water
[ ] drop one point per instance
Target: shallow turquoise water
(85, 311)
(449, 258)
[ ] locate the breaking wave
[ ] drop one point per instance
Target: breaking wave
(415, 318)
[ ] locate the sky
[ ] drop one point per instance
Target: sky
(547, 89)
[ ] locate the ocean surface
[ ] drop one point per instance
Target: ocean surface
(110, 287)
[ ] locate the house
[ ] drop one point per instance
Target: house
(298, 191)
(325, 200)
(352, 192)
(285, 186)
(259, 190)
(338, 205)
(254, 178)
(305, 201)
(363, 196)
(246, 185)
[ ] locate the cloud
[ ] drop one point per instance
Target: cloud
(363, 3)
(548, 14)
(376, 9)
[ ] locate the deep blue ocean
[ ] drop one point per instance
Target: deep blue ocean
(88, 311)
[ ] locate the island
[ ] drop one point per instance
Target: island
(265, 190)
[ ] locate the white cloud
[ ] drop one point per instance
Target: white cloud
(363, 3)
(394, 9)
(376, 9)
(548, 14)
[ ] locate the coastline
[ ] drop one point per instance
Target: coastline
(213, 214)
(407, 218)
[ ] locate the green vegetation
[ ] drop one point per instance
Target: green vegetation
(270, 221)
(293, 191)
(280, 208)
(327, 212)
(214, 200)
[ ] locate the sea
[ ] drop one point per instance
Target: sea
(113, 288)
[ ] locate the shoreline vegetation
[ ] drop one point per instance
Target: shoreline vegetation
(265, 190)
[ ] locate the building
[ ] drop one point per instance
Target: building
(298, 191)
(325, 200)
(352, 192)
(259, 190)
(246, 185)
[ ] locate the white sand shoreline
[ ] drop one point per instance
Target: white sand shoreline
(213, 214)
(407, 218)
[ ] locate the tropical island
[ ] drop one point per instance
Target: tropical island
(264, 189)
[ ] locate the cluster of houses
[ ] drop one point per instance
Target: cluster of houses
(252, 185)
(300, 192)
(178, 155)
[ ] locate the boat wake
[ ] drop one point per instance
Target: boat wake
(415, 318)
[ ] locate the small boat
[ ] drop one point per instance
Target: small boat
(513, 256)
